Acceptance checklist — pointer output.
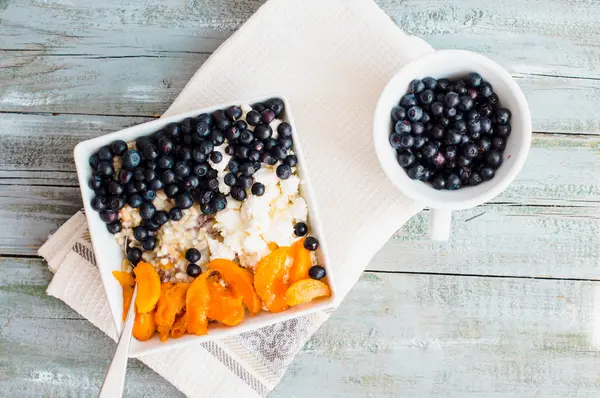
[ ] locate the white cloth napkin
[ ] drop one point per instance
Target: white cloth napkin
(331, 59)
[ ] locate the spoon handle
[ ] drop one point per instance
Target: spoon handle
(114, 381)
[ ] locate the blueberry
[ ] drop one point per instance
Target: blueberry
(503, 130)
(257, 146)
(420, 141)
(171, 190)
(149, 243)
(453, 137)
(475, 179)
(149, 175)
(486, 125)
(498, 143)
(300, 229)
(165, 146)
(173, 131)
(140, 186)
(232, 133)
(473, 93)
(212, 184)
(486, 90)
(416, 172)
(161, 217)
(221, 120)
(94, 161)
(450, 113)
(104, 153)
(141, 142)
(118, 147)
(246, 137)
(395, 140)
(311, 243)
(206, 147)
(283, 171)
(317, 272)
(276, 105)
(190, 182)
(164, 162)
(417, 128)
(147, 210)
(258, 189)
(437, 109)
(439, 160)
(407, 141)
(105, 168)
(270, 144)
(502, 116)
(429, 83)
(99, 203)
(217, 137)
(203, 197)
(202, 130)
(284, 129)
(278, 152)
(181, 169)
(463, 161)
(398, 113)
(150, 164)
(470, 150)
(474, 126)
(148, 195)
(193, 270)
(186, 124)
(464, 174)
(442, 85)
(484, 144)
(238, 193)
(426, 118)
(114, 228)
(466, 103)
(405, 158)
(494, 159)
(116, 203)
(253, 118)
(212, 173)
(414, 113)
(408, 100)
(135, 200)
(474, 79)
(285, 142)
(134, 255)
(233, 112)
(193, 255)
(200, 169)
(453, 181)
(460, 87)
(438, 182)
(183, 200)
(487, 173)
(291, 160)
(403, 127)
(109, 216)
(443, 121)
(175, 214)
(167, 177)
(95, 182)
(140, 233)
(150, 152)
(451, 100)
(219, 202)
(245, 182)
(247, 169)
(267, 116)
(486, 110)
(437, 133)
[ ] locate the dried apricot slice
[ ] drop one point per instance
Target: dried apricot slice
(240, 280)
(269, 279)
(302, 262)
(179, 327)
(196, 304)
(127, 296)
(148, 287)
(144, 326)
(224, 306)
(170, 304)
(306, 290)
(124, 278)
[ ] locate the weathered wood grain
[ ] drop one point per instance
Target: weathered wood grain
(394, 335)
(138, 57)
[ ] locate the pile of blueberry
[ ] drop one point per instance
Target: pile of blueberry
(450, 133)
(176, 160)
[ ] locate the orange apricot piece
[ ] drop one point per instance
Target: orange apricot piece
(127, 296)
(240, 280)
(224, 307)
(124, 278)
(269, 279)
(179, 327)
(148, 283)
(302, 261)
(305, 291)
(196, 303)
(170, 304)
(144, 326)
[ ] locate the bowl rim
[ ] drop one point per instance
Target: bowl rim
(84, 149)
(432, 198)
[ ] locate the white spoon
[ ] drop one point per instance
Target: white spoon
(114, 381)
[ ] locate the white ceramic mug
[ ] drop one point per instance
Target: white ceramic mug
(453, 64)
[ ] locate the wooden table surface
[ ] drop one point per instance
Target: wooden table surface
(507, 308)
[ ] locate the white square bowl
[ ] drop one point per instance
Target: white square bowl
(109, 254)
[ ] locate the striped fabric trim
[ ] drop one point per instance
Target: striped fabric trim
(85, 252)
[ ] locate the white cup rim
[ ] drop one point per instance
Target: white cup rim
(456, 62)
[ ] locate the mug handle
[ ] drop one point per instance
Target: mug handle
(439, 224)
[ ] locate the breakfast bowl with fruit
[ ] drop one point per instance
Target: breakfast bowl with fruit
(452, 130)
(211, 215)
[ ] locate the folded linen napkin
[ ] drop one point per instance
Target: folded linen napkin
(331, 59)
